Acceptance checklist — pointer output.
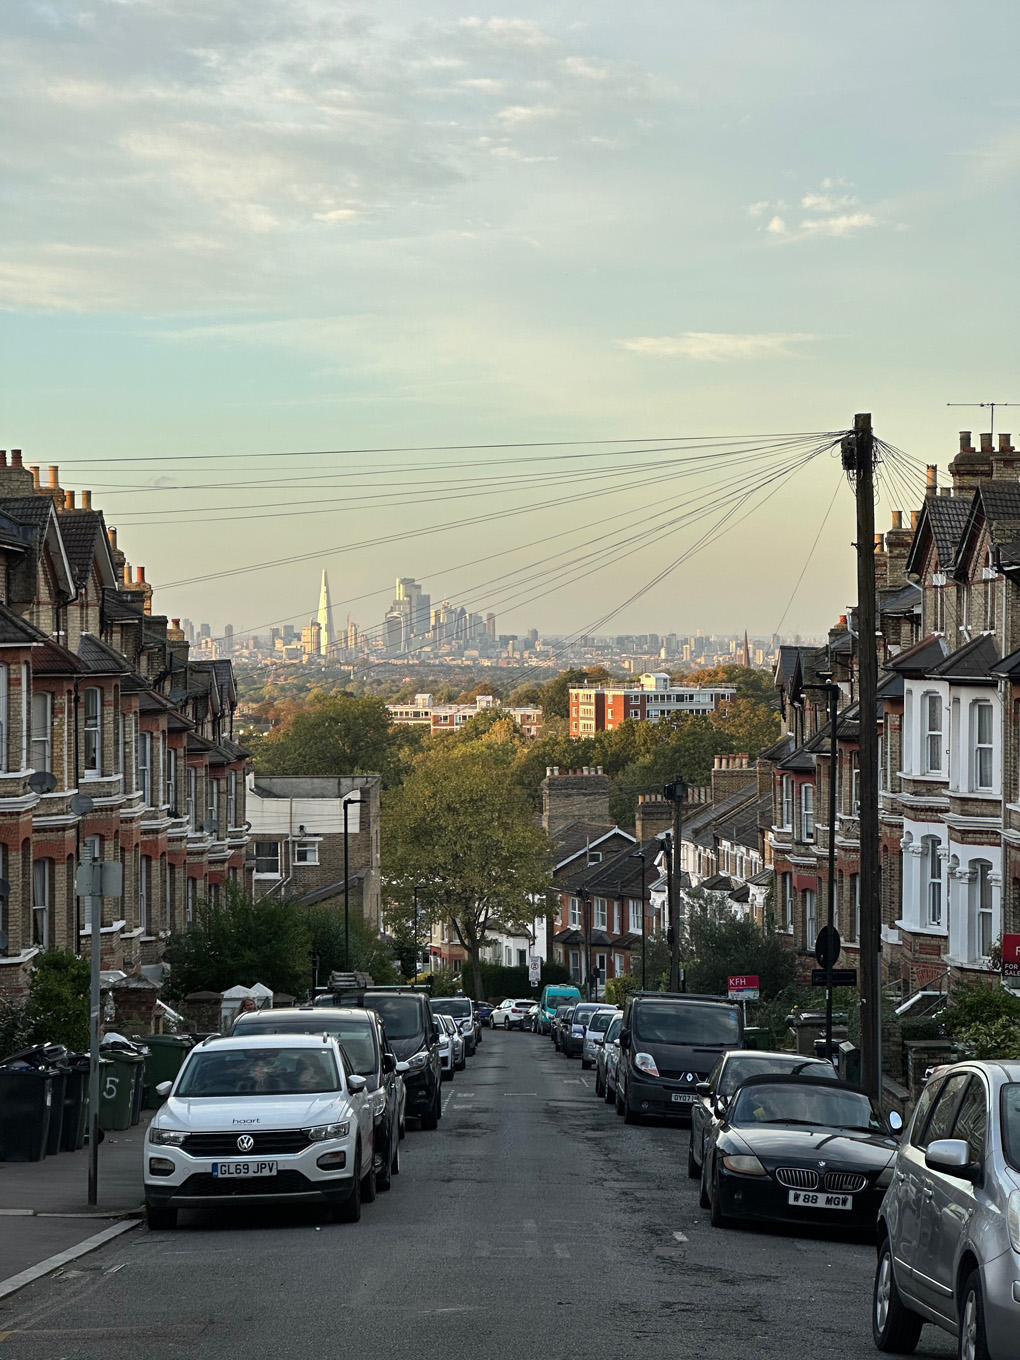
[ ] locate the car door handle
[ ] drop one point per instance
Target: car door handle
(900, 1176)
(928, 1192)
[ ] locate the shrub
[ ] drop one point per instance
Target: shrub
(975, 1006)
(58, 1000)
(618, 988)
(15, 1026)
(500, 981)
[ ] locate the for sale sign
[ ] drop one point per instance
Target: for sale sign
(743, 987)
(1011, 956)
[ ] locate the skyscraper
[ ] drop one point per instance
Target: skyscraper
(325, 617)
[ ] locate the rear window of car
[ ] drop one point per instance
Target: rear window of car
(457, 1006)
(738, 1070)
(600, 1021)
(258, 1071)
(1011, 1124)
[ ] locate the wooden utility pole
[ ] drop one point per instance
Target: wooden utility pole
(675, 794)
(859, 462)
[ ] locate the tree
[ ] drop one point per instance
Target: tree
(368, 952)
(751, 726)
(336, 734)
(462, 830)
(718, 944)
(58, 999)
(684, 745)
(241, 943)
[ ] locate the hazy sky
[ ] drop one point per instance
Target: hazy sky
(256, 226)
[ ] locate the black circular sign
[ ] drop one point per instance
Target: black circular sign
(827, 947)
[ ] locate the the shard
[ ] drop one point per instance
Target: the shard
(325, 617)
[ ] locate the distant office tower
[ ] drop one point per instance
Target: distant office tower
(188, 629)
(311, 640)
(288, 632)
(490, 625)
(352, 635)
(419, 605)
(325, 616)
(393, 629)
(228, 638)
(205, 631)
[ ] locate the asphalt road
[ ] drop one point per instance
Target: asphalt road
(533, 1223)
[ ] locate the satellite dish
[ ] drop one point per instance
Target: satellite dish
(5, 888)
(81, 804)
(210, 827)
(41, 781)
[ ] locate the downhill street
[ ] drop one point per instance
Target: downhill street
(533, 1223)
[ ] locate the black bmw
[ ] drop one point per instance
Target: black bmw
(801, 1150)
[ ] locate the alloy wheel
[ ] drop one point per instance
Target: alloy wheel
(883, 1292)
(969, 1327)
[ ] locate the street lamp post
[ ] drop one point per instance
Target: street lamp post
(359, 802)
(586, 899)
(640, 854)
(831, 692)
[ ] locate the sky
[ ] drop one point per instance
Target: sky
(234, 234)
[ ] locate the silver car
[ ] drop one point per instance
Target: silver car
(457, 1047)
(606, 1060)
(949, 1225)
(594, 1036)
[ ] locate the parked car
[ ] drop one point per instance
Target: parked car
(454, 1059)
(572, 1038)
(949, 1226)
(798, 1149)
(553, 996)
(511, 1014)
(362, 1036)
(483, 1010)
(733, 1068)
(414, 1038)
(606, 1060)
(669, 1042)
(531, 1018)
(461, 1010)
(594, 1035)
(257, 1120)
(560, 1021)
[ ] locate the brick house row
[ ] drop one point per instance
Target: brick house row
(114, 745)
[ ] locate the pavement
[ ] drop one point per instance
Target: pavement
(533, 1222)
(44, 1209)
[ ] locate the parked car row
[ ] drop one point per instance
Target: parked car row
(306, 1104)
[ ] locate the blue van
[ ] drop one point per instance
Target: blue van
(553, 995)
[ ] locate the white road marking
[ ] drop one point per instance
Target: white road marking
(680, 1237)
(560, 1251)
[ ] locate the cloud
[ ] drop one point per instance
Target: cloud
(777, 226)
(715, 346)
(831, 213)
(844, 224)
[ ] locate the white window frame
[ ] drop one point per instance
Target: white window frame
(193, 797)
(932, 862)
(855, 906)
(306, 852)
(26, 709)
(42, 730)
(637, 918)
(171, 779)
(214, 803)
(807, 813)
(145, 766)
(144, 892)
(786, 890)
(983, 752)
(92, 731)
(190, 900)
(575, 914)
(810, 918)
(932, 737)
(982, 908)
(600, 917)
(267, 859)
(42, 877)
(786, 801)
(231, 798)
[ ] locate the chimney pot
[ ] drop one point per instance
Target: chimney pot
(86, 501)
(598, 769)
(141, 576)
(897, 519)
(842, 621)
(879, 542)
(3, 457)
(54, 478)
(16, 458)
(965, 444)
(127, 573)
(34, 470)
(931, 479)
(111, 533)
(177, 623)
(915, 518)
(1005, 444)
(986, 443)
(68, 500)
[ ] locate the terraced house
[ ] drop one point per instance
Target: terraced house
(114, 745)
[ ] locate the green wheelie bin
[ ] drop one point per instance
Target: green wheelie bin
(166, 1057)
(118, 1074)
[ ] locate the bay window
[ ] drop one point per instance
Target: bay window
(93, 729)
(931, 753)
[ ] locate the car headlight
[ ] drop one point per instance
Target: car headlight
(321, 1132)
(644, 1062)
(885, 1177)
(167, 1137)
(1013, 1219)
(417, 1061)
(744, 1165)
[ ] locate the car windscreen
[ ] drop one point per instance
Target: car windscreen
(613, 1032)
(449, 1005)
(355, 1035)
(686, 1022)
(583, 1013)
(1011, 1124)
(600, 1021)
(258, 1071)
(737, 1070)
(805, 1105)
(400, 1014)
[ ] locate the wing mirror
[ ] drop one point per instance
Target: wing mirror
(402, 1067)
(895, 1121)
(625, 1039)
(952, 1156)
(163, 1088)
(389, 1062)
(356, 1083)
(703, 1088)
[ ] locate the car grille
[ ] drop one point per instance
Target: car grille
(797, 1178)
(267, 1144)
(683, 1074)
(283, 1183)
(845, 1182)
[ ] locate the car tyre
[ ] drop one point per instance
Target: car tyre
(693, 1169)
(585, 1065)
(703, 1198)
(599, 1087)
(608, 1093)
(506, 1023)
(384, 1171)
(619, 1101)
(369, 1185)
(893, 1326)
(395, 1164)
(630, 1115)
(350, 1210)
(160, 1216)
(719, 1219)
(973, 1344)
(430, 1120)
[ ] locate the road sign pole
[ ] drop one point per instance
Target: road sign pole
(94, 912)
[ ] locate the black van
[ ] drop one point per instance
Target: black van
(414, 1039)
(669, 1042)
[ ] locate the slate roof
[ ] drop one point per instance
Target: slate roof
(972, 663)
(100, 659)
(902, 602)
(621, 875)
(779, 750)
(119, 607)
(52, 659)
(16, 631)
(718, 883)
(800, 761)
(916, 661)
(80, 532)
(571, 838)
(947, 516)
